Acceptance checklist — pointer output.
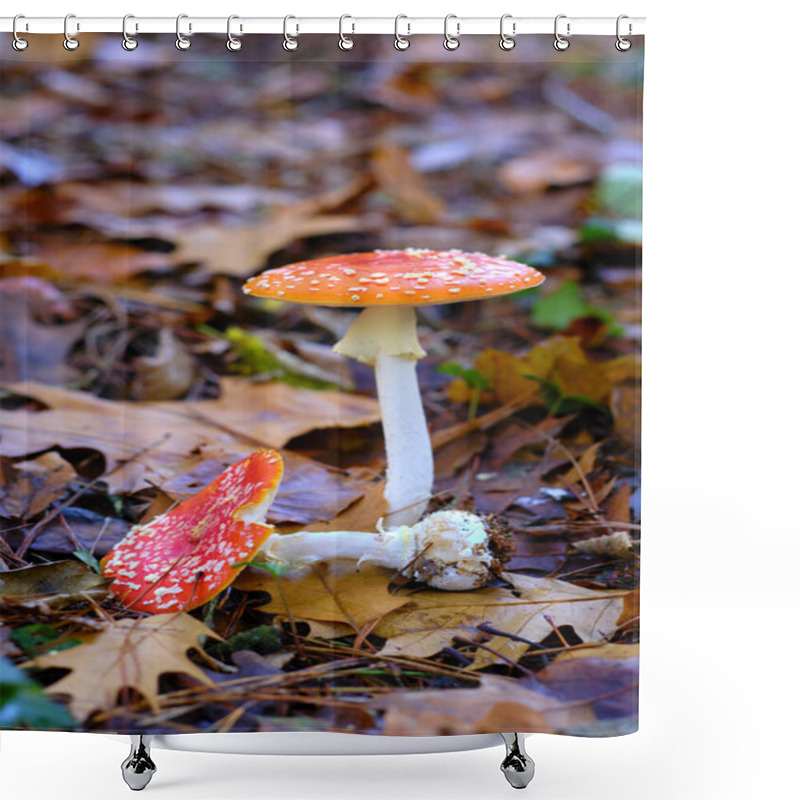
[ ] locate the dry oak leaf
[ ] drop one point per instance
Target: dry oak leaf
(328, 593)
(155, 437)
(28, 487)
(127, 653)
(560, 360)
(433, 618)
(242, 250)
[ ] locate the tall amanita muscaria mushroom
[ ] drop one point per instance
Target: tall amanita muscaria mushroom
(183, 558)
(389, 284)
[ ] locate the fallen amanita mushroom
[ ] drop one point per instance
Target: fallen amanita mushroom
(451, 550)
(390, 283)
(183, 558)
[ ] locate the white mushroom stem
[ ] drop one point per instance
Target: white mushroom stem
(386, 337)
(447, 550)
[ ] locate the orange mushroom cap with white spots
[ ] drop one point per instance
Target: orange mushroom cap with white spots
(409, 277)
(185, 557)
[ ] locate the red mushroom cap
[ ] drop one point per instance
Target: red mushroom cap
(395, 277)
(185, 557)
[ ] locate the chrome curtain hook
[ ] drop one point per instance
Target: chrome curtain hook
(70, 42)
(345, 42)
(621, 44)
(233, 44)
(289, 42)
(507, 41)
(560, 42)
(129, 42)
(400, 42)
(181, 42)
(451, 42)
(19, 44)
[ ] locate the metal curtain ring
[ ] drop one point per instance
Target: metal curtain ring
(70, 42)
(19, 43)
(128, 42)
(345, 42)
(507, 41)
(400, 42)
(451, 42)
(233, 44)
(289, 42)
(181, 42)
(621, 44)
(560, 42)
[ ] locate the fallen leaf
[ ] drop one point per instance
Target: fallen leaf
(126, 653)
(98, 261)
(79, 529)
(584, 467)
(609, 686)
(34, 484)
(154, 437)
(28, 349)
(131, 199)
(452, 456)
(497, 703)
(330, 593)
(410, 195)
(589, 697)
(57, 583)
(544, 169)
(434, 618)
(618, 506)
(626, 408)
(363, 515)
(243, 250)
(601, 651)
(559, 360)
(310, 491)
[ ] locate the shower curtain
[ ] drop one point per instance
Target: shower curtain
(143, 391)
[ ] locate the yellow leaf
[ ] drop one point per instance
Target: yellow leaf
(559, 359)
(433, 618)
(330, 593)
(127, 653)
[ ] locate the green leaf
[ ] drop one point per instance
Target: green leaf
(560, 309)
(557, 310)
(597, 231)
(619, 190)
(30, 637)
(253, 357)
(562, 405)
(263, 639)
(274, 569)
(88, 559)
(23, 703)
(472, 377)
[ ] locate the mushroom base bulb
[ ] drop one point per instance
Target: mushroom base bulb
(448, 550)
